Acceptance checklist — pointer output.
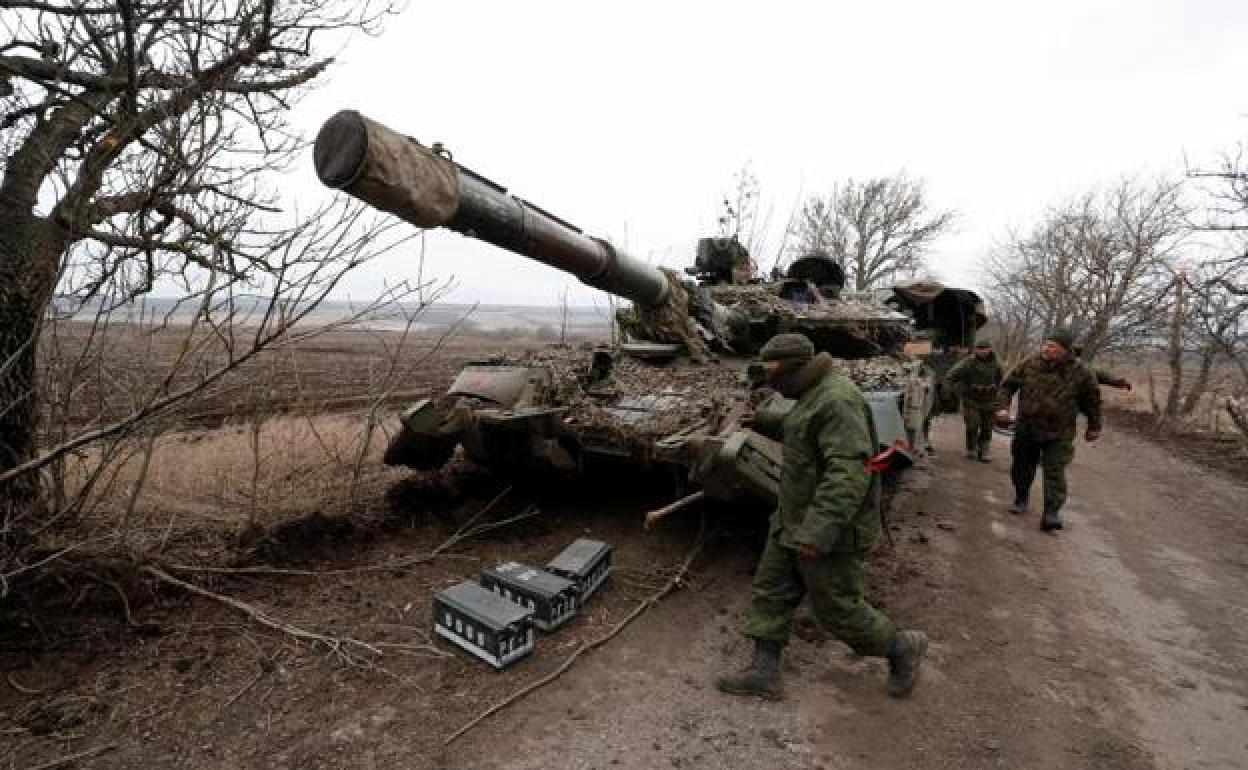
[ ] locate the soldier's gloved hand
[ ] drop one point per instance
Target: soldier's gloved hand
(1092, 434)
(806, 551)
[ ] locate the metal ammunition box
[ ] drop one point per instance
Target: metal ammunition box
(485, 624)
(553, 599)
(586, 563)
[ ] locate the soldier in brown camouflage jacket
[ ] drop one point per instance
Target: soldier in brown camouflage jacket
(1053, 387)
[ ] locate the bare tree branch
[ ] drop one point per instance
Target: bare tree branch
(878, 229)
(150, 134)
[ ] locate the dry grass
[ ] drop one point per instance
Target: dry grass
(203, 485)
(1150, 378)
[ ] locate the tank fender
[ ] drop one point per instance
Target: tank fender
(427, 437)
(502, 386)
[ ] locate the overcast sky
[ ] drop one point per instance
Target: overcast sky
(630, 119)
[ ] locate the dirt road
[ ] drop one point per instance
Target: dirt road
(1119, 643)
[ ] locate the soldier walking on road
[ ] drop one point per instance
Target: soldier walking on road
(827, 518)
(977, 378)
(1052, 387)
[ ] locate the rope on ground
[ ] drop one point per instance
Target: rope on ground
(675, 582)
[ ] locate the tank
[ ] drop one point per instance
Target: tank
(681, 394)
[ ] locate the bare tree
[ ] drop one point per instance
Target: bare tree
(138, 141)
(1099, 263)
(1217, 326)
(876, 228)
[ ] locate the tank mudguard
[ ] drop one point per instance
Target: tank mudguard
(504, 386)
(742, 463)
(427, 437)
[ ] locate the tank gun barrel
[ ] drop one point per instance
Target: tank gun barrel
(397, 174)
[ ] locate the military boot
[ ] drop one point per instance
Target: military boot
(905, 656)
(984, 456)
(761, 678)
(1019, 506)
(1050, 521)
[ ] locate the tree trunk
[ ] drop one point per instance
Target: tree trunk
(1175, 352)
(1201, 383)
(1239, 416)
(1094, 340)
(18, 496)
(28, 271)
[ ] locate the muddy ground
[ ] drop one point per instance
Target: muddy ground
(1223, 452)
(1118, 643)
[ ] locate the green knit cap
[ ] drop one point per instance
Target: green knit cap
(788, 347)
(1062, 336)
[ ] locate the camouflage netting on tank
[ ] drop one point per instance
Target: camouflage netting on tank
(639, 403)
(880, 373)
(669, 322)
(760, 300)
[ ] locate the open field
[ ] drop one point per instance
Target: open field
(1208, 436)
(324, 372)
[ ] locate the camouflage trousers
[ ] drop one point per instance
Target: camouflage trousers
(979, 421)
(835, 583)
(1053, 455)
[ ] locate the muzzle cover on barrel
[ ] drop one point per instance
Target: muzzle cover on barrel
(397, 174)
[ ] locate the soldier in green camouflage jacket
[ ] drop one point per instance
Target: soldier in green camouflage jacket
(828, 516)
(1053, 387)
(977, 378)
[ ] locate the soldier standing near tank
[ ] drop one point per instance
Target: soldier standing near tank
(977, 378)
(827, 518)
(1052, 387)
